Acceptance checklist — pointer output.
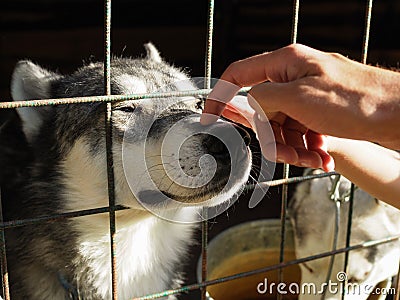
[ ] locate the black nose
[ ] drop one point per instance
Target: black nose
(215, 146)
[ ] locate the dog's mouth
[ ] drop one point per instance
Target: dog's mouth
(227, 178)
(215, 189)
(196, 196)
(188, 164)
(196, 179)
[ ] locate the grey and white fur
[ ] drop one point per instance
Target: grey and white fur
(312, 214)
(67, 173)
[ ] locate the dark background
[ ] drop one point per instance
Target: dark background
(64, 34)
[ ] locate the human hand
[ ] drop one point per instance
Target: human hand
(311, 94)
(303, 147)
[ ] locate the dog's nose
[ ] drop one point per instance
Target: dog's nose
(214, 145)
(221, 137)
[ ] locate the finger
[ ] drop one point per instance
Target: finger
(241, 104)
(211, 112)
(308, 159)
(318, 143)
(286, 154)
(293, 125)
(239, 110)
(293, 133)
(277, 130)
(216, 101)
(294, 137)
(278, 152)
(236, 117)
(283, 65)
(272, 144)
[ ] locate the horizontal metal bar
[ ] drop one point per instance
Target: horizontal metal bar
(112, 98)
(196, 286)
(276, 182)
(57, 217)
(99, 210)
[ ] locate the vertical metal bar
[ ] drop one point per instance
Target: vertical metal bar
(204, 241)
(397, 287)
(364, 55)
(4, 270)
(109, 154)
(283, 224)
(207, 85)
(348, 234)
(334, 244)
(368, 15)
(210, 33)
(111, 200)
(107, 47)
(286, 167)
(295, 22)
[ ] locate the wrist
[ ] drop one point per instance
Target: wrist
(341, 149)
(334, 145)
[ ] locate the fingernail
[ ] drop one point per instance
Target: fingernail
(280, 159)
(304, 164)
(207, 119)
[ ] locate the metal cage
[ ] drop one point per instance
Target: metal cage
(112, 208)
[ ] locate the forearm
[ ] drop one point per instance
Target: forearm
(382, 107)
(373, 168)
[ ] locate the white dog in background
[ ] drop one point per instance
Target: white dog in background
(312, 214)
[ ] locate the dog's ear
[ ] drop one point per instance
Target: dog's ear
(152, 53)
(29, 82)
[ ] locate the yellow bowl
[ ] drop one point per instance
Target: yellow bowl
(245, 247)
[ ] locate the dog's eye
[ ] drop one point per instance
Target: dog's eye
(127, 109)
(200, 103)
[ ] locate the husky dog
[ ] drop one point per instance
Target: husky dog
(312, 215)
(70, 258)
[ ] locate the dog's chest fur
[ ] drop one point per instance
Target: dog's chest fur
(149, 250)
(147, 253)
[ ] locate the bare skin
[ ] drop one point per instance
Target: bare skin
(322, 92)
(316, 102)
(372, 167)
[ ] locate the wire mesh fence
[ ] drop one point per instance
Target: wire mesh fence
(112, 208)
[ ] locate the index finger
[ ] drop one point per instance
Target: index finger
(222, 93)
(276, 66)
(247, 72)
